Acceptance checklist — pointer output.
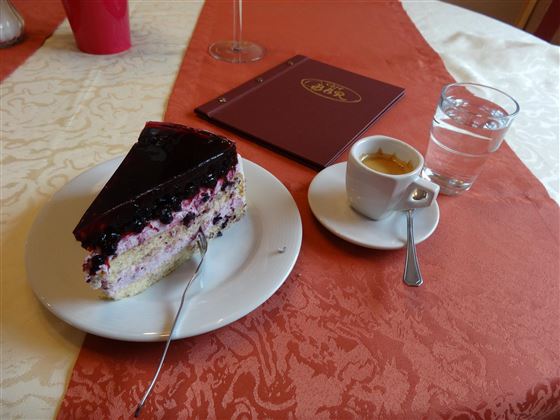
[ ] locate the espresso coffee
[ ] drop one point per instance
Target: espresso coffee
(386, 163)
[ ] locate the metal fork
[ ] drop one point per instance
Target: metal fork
(202, 244)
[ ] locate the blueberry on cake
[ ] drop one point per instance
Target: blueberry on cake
(143, 224)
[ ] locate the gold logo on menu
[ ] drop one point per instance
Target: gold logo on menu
(331, 90)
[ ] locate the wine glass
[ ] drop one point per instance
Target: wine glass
(236, 50)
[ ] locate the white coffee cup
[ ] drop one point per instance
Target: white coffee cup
(376, 194)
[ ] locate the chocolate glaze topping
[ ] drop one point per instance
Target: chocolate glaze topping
(168, 164)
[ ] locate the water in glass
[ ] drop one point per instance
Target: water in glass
(465, 131)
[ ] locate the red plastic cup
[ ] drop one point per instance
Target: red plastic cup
(99, 26)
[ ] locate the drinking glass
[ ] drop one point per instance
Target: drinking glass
(468, 126)
(237, 50)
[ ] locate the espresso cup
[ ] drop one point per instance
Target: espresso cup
(390, 181)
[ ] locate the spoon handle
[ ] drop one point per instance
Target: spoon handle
(412, 275)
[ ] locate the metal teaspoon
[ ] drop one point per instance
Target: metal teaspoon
(412, 275)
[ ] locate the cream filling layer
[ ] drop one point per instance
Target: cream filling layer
(166, 246)
(204, 208)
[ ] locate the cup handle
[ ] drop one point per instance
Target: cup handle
(430, 189)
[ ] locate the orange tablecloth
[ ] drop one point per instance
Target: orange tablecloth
(344, 337)
(41, 19)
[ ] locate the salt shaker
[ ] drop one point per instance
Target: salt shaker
(11, 24)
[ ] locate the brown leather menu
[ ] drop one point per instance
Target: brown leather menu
(304, 108)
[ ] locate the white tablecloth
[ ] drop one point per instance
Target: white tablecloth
(63, 112)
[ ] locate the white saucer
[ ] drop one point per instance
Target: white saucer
(328, 202)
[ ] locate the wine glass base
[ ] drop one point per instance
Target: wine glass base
(233, 52)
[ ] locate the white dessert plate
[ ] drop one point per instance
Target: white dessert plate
(328, 202)
(242, 269)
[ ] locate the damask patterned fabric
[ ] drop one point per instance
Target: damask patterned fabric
(344, 338)
(63, 112)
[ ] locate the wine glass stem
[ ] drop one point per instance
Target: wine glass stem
(237, 24)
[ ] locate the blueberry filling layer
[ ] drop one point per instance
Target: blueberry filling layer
(150, 250)
(188, 210)
(175, 243)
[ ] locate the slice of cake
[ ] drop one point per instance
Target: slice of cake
(143, 223)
